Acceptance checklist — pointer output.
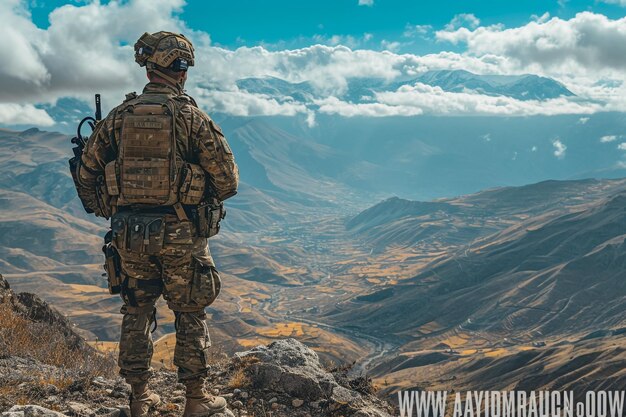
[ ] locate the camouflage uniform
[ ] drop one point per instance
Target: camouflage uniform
(183, 270)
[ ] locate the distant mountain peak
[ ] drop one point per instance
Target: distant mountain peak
(521, 87)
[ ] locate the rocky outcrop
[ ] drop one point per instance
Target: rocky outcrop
(292, 375)
(35, 309)
(283, 379)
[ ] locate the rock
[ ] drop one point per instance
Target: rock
(99, 381)
(80, 410)
(31, 411)
(50, 389)
(237, 404)
(289, 367)
(108, 412)
(227, 413)
(275, 406)
(243, 394)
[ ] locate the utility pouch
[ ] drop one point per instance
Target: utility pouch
(103, 199)
(209, 217)
(145, 234)
(110, 176)
(193, 184)
(118, 230)
(112, 265)
(205, 285)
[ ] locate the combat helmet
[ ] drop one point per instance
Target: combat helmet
(164, 50)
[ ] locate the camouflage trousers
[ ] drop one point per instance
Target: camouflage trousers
(182, 270)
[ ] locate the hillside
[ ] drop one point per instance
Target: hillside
(542, 276)
(400, 222)
(538, 304)
(65, 376)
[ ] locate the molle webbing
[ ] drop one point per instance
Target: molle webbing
(147, 157)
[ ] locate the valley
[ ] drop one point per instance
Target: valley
(461, 287)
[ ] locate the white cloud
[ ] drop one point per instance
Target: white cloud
(620, 2)
(463, 20)
(587, 41)
(608, 138)
(533, 149)
(426, 99)
(241, 103)
(333, 105)
(390, 45)
(86, 49)
(559, 148)
(369, 3)
(541, 19)
(23, 114)
(583, 120)
(411, 31)
(622, 146)
(437, 101)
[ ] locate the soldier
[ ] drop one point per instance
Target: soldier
(160, 168)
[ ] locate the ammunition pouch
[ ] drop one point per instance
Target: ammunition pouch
(138, 233)
(192, 185)
(190, 191)
(208, 218)
(112, 265)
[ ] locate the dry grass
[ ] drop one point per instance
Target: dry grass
(238, 379)
(48, 344)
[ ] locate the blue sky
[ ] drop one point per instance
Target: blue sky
(295, 23)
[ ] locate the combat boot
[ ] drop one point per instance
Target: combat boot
(200, 403)
(142, 400)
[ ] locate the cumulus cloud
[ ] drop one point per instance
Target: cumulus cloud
(463, 20)
(410, 100)
(587, 41)
(437, 101)
(622, 146)
(241, 103)
(88, 48)
(23, 114)
(411, 31)
(620, 2)
(608, 138)
(559, 148)
(333, 105)
(369, 3)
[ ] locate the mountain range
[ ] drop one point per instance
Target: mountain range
(414, 246)
(521, 87)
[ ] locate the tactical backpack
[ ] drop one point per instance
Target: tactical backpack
(147, 170)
